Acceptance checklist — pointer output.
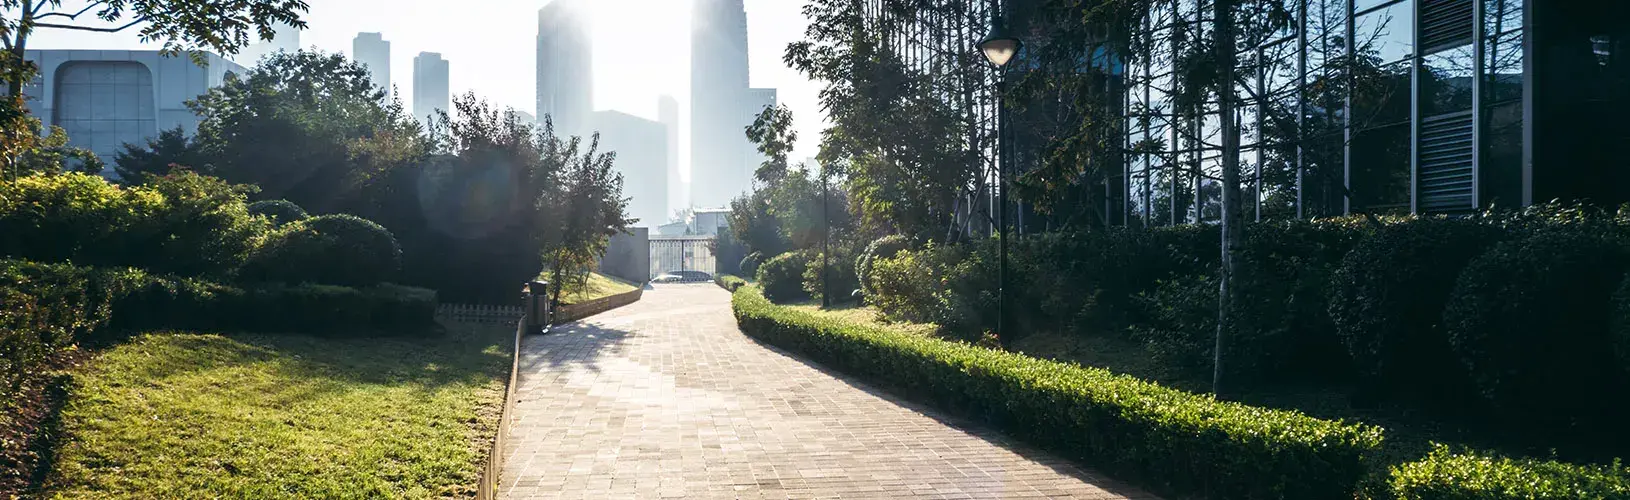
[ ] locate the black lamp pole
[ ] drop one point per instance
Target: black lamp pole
(999, 48)
(826, 238)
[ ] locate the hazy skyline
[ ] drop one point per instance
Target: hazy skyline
(641, 51)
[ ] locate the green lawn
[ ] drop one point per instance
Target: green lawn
(599, 286)
(866, 315)
(262, 416)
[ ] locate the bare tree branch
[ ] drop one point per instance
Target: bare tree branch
(114, 29)
(67, 15)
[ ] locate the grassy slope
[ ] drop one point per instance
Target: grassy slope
(865, 315)
(599, 286)
(284, 416)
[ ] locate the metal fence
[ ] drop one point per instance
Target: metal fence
(682, 253)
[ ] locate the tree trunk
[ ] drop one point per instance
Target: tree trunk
(1223, 45)
(19, 47)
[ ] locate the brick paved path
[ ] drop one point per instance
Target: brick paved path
(666, 398)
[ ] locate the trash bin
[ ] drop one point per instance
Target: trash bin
(535, 306)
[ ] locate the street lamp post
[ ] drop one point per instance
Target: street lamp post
(999, 48)
(826, 238)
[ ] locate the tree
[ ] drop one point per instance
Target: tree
(172, 148)
(183, 25)
(772, 134)
(31, 153)
(309, 127)
(590, 211)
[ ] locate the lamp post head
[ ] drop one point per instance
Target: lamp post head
(998, 46)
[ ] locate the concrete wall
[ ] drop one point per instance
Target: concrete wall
(628, 256)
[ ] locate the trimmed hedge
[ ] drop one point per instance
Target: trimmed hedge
(336, 249)
(881, 248)
(1531, 319)
(729, 282)
(1445, 475)
(842, 274)
(182, 223)
(279, 211)
(1181, 441)
(783, 276)
(749, 264)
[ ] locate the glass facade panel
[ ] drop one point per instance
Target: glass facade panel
(1446, 81)
(1385, 34)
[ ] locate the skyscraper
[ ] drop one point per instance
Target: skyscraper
(668, 114)
(642, 150)
(757, 100)
(284, 38)
(718, 89)
(565, 70)
(430, 89)
(373, 51)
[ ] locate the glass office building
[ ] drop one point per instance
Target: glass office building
(1356, 106)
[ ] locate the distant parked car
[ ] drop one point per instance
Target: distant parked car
(682, 277)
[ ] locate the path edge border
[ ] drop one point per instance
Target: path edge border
(574, 312)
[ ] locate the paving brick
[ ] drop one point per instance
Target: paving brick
(665, 398)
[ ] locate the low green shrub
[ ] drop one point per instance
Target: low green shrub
(1532, 321)
(1172, 439)
(1387, 302)
(182, 223)
(750, 263)
(881, 248)
(1446, 475)
(279, 211)
(729, 282)
(783, 276)
(334, 249)
(841, 273)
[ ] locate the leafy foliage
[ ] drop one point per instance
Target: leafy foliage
(333, 249)
(279, 211)
(839, 277)
(750, 263)
(881, 248)
(1190, 444)
(1447, 475)
(1387, 303)
(171, 149)
(182, 223)
(1531, 320)
(309, 127)
(783, 276)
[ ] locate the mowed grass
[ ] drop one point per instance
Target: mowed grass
(258, 416)
(599, 286)
(864, 315)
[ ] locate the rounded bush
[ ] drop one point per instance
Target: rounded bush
(280, 211)
(782, 277)
(881, 248)
(842, 274)
(1531, 320)
(1387, 301)
(329, 249)
(750, 263)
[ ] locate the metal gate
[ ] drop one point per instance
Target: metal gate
(682, 253)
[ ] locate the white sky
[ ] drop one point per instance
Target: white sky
(642, 50)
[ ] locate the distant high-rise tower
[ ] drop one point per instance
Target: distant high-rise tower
(641, 150)
(757, 100)
(718, 86)
(668, 114)
(284, 37)
(565, 69)
(374, 51)
(430, 89)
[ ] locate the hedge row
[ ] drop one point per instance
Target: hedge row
(729, 282)
(1181, 441)
(1446, 475)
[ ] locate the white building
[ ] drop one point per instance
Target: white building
(106, 98)
(708, 221)
(430, 87)
(668, 114)
(374, 51)
(642, 150)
